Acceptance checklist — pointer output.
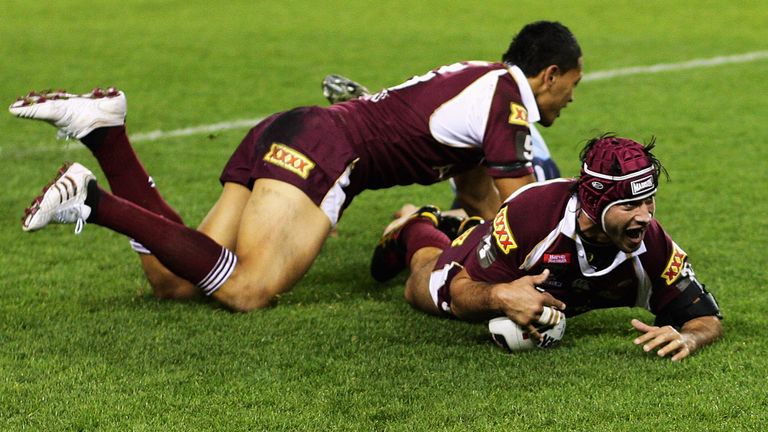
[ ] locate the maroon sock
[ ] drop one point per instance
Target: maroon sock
(187, 253)
(422, 233)
(126, 176)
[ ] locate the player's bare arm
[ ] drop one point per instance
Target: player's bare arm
(519, 299)
(694, 334)
(481, 195)
(507, 186)
(476, 193)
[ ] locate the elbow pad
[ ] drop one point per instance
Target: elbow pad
(694, 301)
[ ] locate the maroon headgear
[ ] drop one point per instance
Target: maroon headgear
(615, 170)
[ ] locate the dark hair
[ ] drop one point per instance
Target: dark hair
(541, 44)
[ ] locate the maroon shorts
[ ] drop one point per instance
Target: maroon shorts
(304, 147)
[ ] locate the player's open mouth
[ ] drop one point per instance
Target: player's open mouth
(635, 233)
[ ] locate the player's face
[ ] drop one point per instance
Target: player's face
(558, 94)
(626, 223)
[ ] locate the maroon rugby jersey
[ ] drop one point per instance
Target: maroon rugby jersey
(442, 123)
(536, 229)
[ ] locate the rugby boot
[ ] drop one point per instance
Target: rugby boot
(75, 115)
(467, 224)
(449, 225)
(337, 88)
(389, 256)
(454, 226)
(62, 201)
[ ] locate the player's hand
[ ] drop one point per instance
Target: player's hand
(666, 339)
(523, 302)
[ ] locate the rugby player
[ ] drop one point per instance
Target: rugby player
(587, 243)
(294, 173)
(337, 88)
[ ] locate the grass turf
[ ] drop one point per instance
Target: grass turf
(84, 346)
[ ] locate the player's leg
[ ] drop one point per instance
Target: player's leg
(275, 233)
(221, 224)
(98, 120)
(405, 236)
(418, 241)
(75, 197)
(223, 220)
(403, 241)
(165, 284)
(128, 179)
(281, 233)
(417, 286)
(124, 172)
(299, 165)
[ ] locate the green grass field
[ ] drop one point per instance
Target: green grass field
(84, 345)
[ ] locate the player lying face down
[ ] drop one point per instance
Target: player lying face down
(571, 244)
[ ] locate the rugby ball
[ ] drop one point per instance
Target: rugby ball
(511, 337)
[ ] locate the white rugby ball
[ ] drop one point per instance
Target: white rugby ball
(511, 337)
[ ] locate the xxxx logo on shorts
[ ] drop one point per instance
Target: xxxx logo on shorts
(504, 238)
(675, 265)
(518, 114)
(290, 159)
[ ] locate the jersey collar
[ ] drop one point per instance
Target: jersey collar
(569, 229)
(526, 93)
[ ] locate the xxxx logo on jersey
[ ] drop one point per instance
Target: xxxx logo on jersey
(290, 159)
(518, 114)
(501, 232)
(675, 265)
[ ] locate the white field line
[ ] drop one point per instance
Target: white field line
(665, 67)
(195, 130)
(593, 76)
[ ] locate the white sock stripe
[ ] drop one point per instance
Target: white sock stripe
(214, 271)
(226, 269)
(219, 273)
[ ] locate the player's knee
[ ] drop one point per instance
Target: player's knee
(418, 296)
(410, 292)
